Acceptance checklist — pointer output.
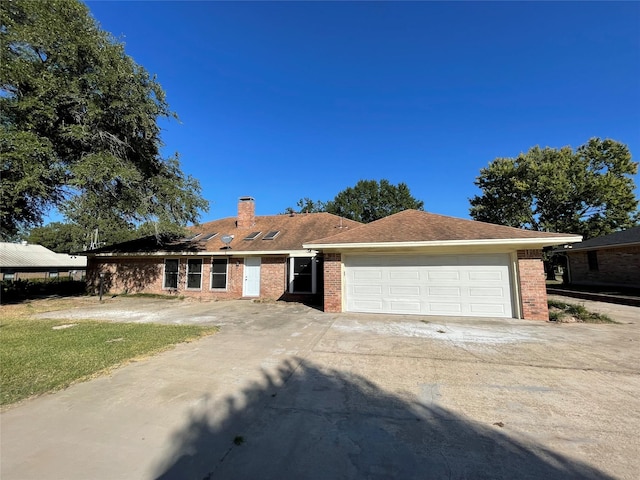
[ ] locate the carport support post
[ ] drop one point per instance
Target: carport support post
(101, 280)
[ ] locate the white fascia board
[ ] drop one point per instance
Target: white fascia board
(513, 242)
(217, 253)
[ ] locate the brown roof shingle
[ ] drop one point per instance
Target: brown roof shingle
(294, 230)
(419, 226)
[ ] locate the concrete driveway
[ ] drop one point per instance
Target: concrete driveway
(285, 391)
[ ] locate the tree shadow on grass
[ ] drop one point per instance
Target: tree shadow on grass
(310, 422)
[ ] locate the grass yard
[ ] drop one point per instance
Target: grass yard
(39, 356)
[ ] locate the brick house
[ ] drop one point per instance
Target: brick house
(609, 261)
(412, 262)
(247, 256)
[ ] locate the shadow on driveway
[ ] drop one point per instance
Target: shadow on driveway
(309, 422)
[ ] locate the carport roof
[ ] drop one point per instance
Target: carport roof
(17, 255)
(418, 228)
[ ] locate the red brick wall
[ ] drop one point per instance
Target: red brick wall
(332, 282)
(130, 275)
(533, 289)
(616, 267)
(273, 277)
(145, 275)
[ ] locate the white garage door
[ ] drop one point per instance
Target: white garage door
(459, 285)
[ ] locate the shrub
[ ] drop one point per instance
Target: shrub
(17, 290)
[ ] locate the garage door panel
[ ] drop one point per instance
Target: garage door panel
(486, 292)
(473, 285)
(444, 291)
(405, 307)
(367, 274)
(367, 289)
(486, 276)
(405, 290)
(404, 275)
(443, 275)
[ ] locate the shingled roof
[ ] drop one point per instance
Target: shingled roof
(414, 226)
(628, 237)
(293, 231)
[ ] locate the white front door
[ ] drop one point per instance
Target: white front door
(251, 284)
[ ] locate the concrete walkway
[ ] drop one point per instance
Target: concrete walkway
(285, 391)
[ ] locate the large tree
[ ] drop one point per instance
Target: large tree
(588, 191)
(365, 202)
(73, 237)
(79, 125)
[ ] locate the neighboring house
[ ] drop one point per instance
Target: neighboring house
(610, 261)
(21, 261)
(412, 262)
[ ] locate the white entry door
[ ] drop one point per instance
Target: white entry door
(251, 284)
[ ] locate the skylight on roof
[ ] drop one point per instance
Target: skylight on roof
(209, 236)
(252, 236)
(271, 235)
(192, 237)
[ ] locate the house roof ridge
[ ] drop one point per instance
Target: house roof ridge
(429, 227)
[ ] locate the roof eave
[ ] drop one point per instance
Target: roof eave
(217, 253)
(519, 242)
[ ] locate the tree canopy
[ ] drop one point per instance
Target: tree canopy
(365, 202)
(79, 126)
(587, 191)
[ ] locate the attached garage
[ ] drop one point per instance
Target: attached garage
(420, 263)
(459, 285)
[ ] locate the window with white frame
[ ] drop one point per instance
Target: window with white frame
(194, 273)
(302, 275)
(219, 273)
(53, 274)
(171, 273)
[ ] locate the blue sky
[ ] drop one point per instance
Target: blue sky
(284, 100)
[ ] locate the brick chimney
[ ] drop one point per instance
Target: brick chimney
(246, 212)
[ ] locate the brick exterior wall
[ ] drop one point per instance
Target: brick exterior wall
(145, 275)
(533, 289)
(273, 277)
(333, 282)
(618, 267)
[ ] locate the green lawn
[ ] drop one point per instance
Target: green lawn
(36, 358)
